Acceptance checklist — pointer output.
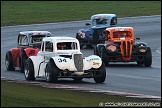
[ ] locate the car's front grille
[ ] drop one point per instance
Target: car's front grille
(78, 61)
(126, 46)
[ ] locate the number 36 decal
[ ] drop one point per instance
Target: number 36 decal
(62, 60)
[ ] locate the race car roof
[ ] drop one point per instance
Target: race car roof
(35, 32)
(119, 28)
(102, 16)
(60, 38)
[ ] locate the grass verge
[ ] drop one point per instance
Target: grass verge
(25, 95)
(30, 12)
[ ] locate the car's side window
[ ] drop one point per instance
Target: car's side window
(74, 46)
(114, 21)
(19, 39)
(49, 47)
(24, 40)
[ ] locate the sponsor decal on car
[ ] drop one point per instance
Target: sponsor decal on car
(112, 48)
(96, 63)
(142, 50)
(92, 59)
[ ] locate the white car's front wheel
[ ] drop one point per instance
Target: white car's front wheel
(51, 72)
(101, 74)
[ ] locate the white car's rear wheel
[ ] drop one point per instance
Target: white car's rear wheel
(29, 70)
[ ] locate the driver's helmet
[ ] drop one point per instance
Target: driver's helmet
(37, 39)
(103, 21)
(61, 46)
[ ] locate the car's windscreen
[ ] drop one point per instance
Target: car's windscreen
(67, 46)
(100, 21)
(37, 38)
(122, 34)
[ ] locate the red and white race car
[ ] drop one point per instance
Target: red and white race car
(28, 44)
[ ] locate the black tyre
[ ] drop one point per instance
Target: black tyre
(81, 46)
(101, 74)
(104, 56)
(9, 61)
(140, 62)
(29, 70)
(23, 58)
(148, 57)
(51, 72)
(96, 51)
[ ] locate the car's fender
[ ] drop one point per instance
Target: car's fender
(31, 51)
(85, 34)
(16, 56)
(139, 47)
(39, 65)
(64, 63)
(99, 46)
(92, 61)
(112, 48)
(89, 62)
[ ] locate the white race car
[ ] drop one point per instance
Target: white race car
(60, 57)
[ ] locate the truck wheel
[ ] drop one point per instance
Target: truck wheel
(101, 74)
(23, 58)
(148, 57)
(96, 51)
(9, 61)
(51, 72)
(29, 70)
(104, 56)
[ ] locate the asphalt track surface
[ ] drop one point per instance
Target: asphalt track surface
(121, 77)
